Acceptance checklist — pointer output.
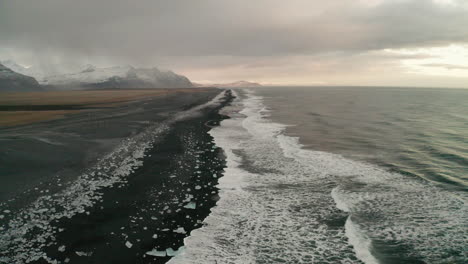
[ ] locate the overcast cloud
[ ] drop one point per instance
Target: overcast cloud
(225, 40)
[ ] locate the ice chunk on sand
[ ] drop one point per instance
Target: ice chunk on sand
(156, 253)
(84, 254)
(180, 230)
(198, 187)
(171, 253)
(61, 248)
(191, 205)
(128, 244)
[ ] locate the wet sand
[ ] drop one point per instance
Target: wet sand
(167, 193)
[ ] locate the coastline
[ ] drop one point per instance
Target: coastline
(168, 191)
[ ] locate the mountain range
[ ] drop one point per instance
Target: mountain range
(94, 77)
(14, 77)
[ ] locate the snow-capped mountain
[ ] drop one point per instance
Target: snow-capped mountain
(93, 77)
(118, 77)
(12, 81)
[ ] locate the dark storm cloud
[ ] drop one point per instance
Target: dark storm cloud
(146, 30)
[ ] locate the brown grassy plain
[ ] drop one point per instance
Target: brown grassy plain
(66, 99)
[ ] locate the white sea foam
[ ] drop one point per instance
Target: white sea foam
(360, 241)
(282, 203)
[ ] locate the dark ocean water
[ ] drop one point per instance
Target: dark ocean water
(420, 132)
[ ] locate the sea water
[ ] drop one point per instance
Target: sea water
(340, 175)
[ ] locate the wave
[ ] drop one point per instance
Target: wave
(283, 203)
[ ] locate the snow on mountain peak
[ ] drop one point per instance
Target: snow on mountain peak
(14, 66)
(13, 81)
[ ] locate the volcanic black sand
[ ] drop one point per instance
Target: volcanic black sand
(51, 212)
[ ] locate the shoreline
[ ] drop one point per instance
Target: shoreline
(169, 223)
(154, 209)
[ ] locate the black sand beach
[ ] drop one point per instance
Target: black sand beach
(92, 194)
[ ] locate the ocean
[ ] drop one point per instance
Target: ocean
(339, 175)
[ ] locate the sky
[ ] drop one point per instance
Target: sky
(296, 42)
